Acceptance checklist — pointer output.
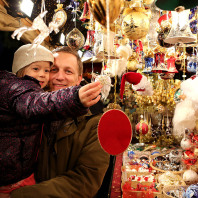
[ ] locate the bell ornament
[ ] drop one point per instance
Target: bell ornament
(180, 31)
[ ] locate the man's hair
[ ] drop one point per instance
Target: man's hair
(69, 50)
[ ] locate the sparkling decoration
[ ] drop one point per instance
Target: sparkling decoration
(163, 94)
(135, 24)
(75, 39)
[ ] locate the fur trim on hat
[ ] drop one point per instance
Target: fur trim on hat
(144, 87)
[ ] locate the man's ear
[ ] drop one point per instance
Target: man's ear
(79, 80)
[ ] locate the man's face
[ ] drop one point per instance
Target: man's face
(64, 73)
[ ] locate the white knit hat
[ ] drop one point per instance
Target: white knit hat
(28, 54)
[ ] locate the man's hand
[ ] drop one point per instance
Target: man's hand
(89, 94)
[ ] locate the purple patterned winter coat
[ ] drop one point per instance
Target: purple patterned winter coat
(24, 106)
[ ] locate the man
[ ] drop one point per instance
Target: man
(72, 164)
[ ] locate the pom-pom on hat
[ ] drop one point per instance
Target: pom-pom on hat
(30, 53)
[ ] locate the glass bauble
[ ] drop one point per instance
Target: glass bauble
(75, 39)
(135, 24)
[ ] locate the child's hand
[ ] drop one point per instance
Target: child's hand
(89, 94)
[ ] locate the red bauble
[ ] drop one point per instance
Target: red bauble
(142, 127)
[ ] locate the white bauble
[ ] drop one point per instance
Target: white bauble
(190, 177)
(186, 144)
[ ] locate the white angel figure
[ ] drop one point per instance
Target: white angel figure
(38, 24)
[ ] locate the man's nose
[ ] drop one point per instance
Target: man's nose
(60, 76)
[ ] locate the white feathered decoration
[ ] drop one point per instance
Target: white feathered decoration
(186, 112)
(124, 51)
(106, 82)
(115, 67)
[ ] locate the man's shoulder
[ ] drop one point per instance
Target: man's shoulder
(93, 117)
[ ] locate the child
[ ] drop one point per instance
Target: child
(24, 106)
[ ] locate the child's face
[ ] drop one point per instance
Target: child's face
(39, 70)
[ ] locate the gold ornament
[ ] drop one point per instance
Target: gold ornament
(132, 62)
(99, 10)
(75, 39)
(149, 53)
(135, 24)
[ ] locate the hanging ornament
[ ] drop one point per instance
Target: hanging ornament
(159, 65)
(148, 59)
(192, 63)
(135, 24)
(99, 10)
(142, 127)
(132, 63)
(105, 81)
(86, 13)
(38, 24)
(90, 40)
(163, 31)
(171, 69)
(180, 31)
(60, 16)
(75, 39)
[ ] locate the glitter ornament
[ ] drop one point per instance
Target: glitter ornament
(142, 127)
(135, 24)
